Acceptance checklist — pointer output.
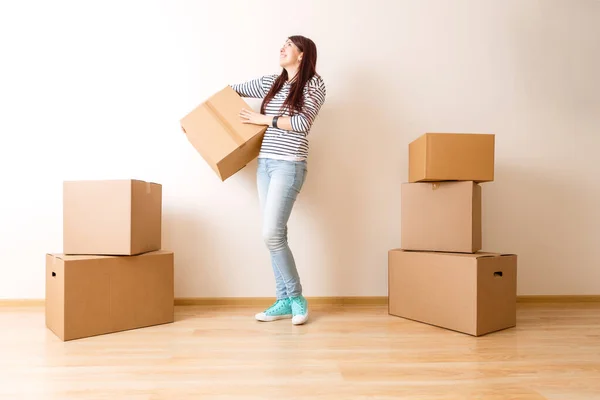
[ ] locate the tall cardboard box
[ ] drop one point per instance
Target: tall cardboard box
(95, 295)
(441, 216)
(471, 293)
(216, 132)
(111, 217)
(451, 157)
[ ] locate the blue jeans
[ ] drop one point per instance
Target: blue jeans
(279, 183)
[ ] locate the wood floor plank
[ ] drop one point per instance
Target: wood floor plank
(345, 352)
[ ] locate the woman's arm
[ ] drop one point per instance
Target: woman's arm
(255, 88)
(251, 117)
(301, 122)
(314, 98)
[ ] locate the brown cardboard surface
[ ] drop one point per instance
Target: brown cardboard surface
(146, 217)
(452, 157)
(441, 216)
(470, 293)
(111, 217)
(55, 295)
(214, 129)
(94, 295)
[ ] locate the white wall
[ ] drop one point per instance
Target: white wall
(94, 90)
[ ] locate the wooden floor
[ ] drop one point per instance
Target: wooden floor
(345, 352)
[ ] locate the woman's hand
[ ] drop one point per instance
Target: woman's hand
(251, 117)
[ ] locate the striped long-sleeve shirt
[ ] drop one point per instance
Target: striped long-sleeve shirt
(279, 143)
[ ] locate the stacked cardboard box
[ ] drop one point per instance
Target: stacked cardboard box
(113, 275)
(440, 276)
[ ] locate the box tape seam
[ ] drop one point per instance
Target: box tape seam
(237, 138)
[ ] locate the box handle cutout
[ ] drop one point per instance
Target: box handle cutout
(498, 274)
(53, 274)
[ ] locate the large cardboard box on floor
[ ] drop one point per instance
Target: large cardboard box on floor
(471, 293)
(441, 216)
(111, 217)
(215, 130)
(95, 295)
(451, 157)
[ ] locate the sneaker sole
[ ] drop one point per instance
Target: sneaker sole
(301, 320)
(269, 318)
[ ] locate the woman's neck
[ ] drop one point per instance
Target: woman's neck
(291, 73)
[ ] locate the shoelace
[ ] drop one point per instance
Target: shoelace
(299, 303)
(278, 305)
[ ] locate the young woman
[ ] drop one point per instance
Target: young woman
(291, 103)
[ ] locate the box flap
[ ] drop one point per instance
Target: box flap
(79, 257)
(68, 257)
(482, 254)
(479, 254)
(146, 182)
(110, 180)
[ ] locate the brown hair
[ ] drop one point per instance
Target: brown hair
(307, 69)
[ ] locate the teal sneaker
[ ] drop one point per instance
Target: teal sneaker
(299, 310)
(281, 309)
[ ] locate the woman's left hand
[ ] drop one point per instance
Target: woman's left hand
(251, 117)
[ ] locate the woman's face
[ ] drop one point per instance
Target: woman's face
(289, 55)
